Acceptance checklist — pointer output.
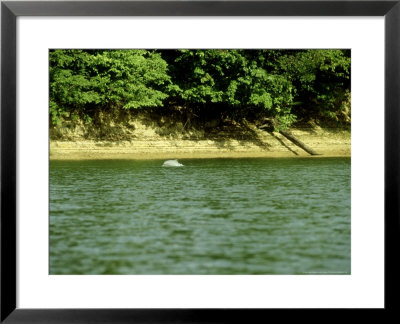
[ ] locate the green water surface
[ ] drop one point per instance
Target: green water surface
(211, 216)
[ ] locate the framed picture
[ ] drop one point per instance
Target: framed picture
(42, 282)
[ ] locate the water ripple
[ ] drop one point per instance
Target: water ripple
(213, 216)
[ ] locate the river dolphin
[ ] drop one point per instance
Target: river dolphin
(172, 163)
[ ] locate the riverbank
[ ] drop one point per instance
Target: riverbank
(254, 143)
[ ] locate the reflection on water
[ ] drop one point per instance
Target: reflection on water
(212, 216)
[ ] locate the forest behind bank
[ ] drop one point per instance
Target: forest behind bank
(200, 87)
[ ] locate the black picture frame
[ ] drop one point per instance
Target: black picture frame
(10, 10)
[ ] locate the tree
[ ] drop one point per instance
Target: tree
(282, 84)
(235, 79)
(321, 79)
(84, 80)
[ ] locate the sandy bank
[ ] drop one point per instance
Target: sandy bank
(328, 143)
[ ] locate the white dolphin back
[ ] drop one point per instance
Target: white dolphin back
(172, 163)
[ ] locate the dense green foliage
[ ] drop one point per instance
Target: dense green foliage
(321, 81)
(83, 81)
(284, 84)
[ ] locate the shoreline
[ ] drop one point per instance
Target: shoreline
(266, 145)
(164, 156)
(80, 157)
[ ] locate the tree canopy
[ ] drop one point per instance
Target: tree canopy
(283, 84)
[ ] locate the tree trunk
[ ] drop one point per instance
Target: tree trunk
(270, 127)
(299, 143)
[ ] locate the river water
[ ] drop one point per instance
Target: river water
(211, 216)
